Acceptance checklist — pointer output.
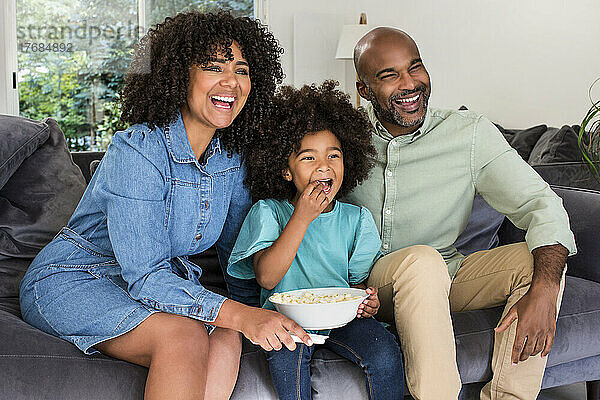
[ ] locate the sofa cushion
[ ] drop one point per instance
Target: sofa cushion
(11, 272)
(39, 197)
(31, 359)
(39, 365)
(556, 145)
(481, 232)
(19, 138)
(523, 140)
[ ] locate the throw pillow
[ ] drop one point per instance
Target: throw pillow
(481, 232)
(556, 145)
(19, 138)
(523, 140)
(40, 196)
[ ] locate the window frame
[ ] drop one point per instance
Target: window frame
(9, 89)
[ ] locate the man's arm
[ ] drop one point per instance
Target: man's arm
(535, 312)
(513, 188)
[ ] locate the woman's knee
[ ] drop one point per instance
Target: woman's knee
(181, 337)
(224, 340)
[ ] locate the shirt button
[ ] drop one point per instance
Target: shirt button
(389, 173)
(385, 246)
(205, 205)
(199, 236)
(388, 211)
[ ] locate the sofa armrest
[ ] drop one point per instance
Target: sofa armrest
(583, 207)
(571, 174)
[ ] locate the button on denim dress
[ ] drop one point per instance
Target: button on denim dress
(124, 253)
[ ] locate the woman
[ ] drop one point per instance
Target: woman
(117, 278)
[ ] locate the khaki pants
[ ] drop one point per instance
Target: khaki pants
(417, 294)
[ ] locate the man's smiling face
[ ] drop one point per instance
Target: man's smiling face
(394, 79)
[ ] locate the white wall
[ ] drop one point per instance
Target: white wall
(520, 62)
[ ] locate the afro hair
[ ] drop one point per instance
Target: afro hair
(296, 113)
(156, 85)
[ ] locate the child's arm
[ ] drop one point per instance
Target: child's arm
(365, 253)
(272, 263)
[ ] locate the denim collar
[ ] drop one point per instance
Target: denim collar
(179, 145)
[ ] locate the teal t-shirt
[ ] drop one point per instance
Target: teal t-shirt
(338, 249)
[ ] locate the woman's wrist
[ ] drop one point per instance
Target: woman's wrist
(230, 315)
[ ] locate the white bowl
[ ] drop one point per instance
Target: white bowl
(322, 315)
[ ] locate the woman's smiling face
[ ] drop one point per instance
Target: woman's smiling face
(319, 158)
(217, 91)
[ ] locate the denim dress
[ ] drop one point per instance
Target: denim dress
(124, 253)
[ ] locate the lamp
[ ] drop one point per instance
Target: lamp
(350, 35)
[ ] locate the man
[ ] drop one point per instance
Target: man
(431, 163)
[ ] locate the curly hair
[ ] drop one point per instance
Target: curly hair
(156, 85)
(295, 113)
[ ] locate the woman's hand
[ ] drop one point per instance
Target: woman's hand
(268, 329)
(311, 202)
(369, 307)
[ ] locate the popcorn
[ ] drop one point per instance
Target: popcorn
(311, 298)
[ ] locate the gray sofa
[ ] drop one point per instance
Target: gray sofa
(36, 365)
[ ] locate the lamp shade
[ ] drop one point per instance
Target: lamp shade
(350, 35)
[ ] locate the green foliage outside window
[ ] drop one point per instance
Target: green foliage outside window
(80, 88)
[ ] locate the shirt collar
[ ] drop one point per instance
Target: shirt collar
(383, 133)
(179, 145)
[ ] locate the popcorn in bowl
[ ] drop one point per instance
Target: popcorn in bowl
(319, 308)
(308, 297)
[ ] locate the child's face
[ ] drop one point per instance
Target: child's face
(319, 158)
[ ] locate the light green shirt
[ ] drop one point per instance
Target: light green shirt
(422, 187)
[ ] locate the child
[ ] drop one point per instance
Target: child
(298, 236)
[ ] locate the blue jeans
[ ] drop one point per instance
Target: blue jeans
(364, 341)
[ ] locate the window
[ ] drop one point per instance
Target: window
(73, 56)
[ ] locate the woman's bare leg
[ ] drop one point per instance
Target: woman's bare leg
(223, 363)
(174, 348)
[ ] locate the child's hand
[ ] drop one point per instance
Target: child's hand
(311, 202)
(370, 305)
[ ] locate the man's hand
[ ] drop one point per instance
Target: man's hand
(370, 305)
(535, 313)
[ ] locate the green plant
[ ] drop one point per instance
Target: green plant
(589, 136)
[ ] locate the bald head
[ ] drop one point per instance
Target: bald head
(393, 78)
(376, 41)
